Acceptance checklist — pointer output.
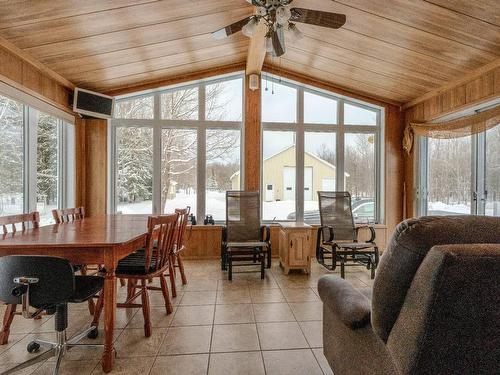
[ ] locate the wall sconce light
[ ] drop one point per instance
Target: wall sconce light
(253, 82)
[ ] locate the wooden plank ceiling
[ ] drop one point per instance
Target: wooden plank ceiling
(391, 49)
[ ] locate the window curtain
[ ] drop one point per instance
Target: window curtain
(462, 127)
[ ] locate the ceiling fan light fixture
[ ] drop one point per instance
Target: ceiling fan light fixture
(295, 33)
(269, 44)
(250, 27)
(283, 15)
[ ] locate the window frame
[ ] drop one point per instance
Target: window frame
(66, 182)
(300, 128)
(158, 124)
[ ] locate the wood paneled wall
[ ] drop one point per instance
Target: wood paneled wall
(204, 241)
(24, 75)
(91, 165)
(480, 86)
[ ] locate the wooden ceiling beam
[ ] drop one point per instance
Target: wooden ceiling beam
(4, 43)
(257, 51)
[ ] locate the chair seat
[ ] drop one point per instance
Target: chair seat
(351, 245)
(133, 264)
(248, 244)
(86, 287)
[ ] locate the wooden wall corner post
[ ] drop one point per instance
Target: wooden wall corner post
(80, 161)
(96, 166)
(252, 136)
(394, 166)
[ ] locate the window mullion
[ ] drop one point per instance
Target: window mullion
(299, 158)
(157, 150)
(31, 155)
(201, 156)
(340, 178)
(478, 172)
(61, 164)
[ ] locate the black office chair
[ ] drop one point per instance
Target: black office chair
(46, 284)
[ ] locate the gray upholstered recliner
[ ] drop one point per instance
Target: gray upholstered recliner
(435, 306)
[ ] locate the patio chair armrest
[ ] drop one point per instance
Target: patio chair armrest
(265, 233)
(331, 234)
(345, 302)
(372, 232)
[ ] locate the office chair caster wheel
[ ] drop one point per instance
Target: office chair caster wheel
(33, 347)
(93, 334)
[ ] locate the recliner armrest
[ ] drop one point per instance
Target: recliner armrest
(348, 304)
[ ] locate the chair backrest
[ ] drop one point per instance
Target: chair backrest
(335, 211)
(163, 229)
(68, 214)
(450, 320)
(411, 241)
(56, 280)
(181, 227)
(23, 219)
(242, 216)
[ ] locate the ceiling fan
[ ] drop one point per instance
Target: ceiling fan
(278, 16)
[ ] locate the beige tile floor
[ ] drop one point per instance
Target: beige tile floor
(246, 326)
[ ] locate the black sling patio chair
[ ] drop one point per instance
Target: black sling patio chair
(338, 236)
(243, 238)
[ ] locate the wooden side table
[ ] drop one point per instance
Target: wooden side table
(295, 246)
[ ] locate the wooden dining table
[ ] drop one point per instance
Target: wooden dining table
(102, 239)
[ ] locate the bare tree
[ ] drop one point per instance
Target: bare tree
(449, 178)
(359, 163)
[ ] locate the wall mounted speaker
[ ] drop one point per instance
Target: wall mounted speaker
(93, 104)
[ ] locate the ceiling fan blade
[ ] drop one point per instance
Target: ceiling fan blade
(318, 18)
(278, 40)
(231, 29)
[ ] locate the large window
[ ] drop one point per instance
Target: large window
(36, 161)
(315, 141)
(178, 147)
(460, 176)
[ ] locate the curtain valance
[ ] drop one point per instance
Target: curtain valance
(462, 127)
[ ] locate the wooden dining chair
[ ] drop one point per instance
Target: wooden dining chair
(68, 215)
(176, 259)
(9, 226)
(141, 266)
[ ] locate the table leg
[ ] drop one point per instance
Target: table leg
(108, 357)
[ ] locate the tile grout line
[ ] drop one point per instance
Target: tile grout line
(258, 338)
(212, 332)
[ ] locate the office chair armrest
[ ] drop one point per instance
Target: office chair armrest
(23, 291)
(265, 233)
(372, 232)
(331, 234)
(224, 234)
(345, 302)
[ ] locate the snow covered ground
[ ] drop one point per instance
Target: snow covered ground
(440, 208)
(215, 205)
